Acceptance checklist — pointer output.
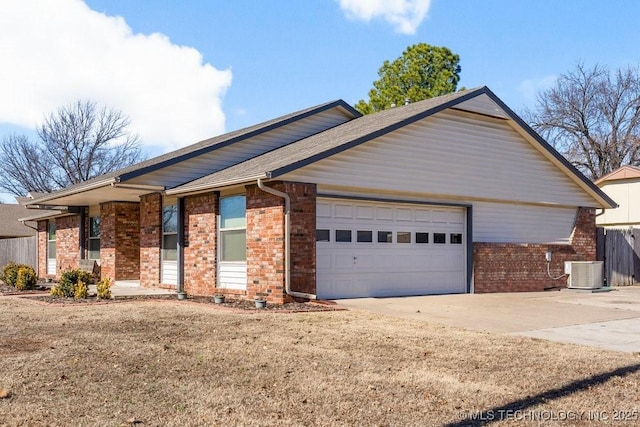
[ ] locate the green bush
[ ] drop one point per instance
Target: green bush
(69, 280)
(26, 278)
(10, 274)
(104, 288)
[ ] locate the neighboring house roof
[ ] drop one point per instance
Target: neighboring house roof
(355, 132)
(120, 177)
(10, 226)
(624, 172)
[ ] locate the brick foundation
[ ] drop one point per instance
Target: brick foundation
(265, 241)
(506, 267)
(120, 240)
(200, 234)
(150, 239)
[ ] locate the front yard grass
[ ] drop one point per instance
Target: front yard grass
(171, 363)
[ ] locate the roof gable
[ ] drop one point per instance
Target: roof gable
(204, 157)
(624, 172)
(366, 128)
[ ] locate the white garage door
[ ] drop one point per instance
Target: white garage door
(367, 249)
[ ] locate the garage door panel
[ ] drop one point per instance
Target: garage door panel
(366, 262)
(323, 262)
(365, 212)
(323, 210)
(343, 262)
(361, 269)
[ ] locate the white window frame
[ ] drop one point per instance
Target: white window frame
(231, 274)
(165, 263)
(51, 261)
(94, 238)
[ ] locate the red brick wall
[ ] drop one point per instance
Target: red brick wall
(150, 239)
(506, 267)
(303, 236)
(120, 240)
(67, 243)
(200, 225)
(42, 248)
(265, 241)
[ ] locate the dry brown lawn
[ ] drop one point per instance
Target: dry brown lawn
(171, 363)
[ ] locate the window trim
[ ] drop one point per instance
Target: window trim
(94, 238)
(222, 230)
(174, 207)
(51, 224)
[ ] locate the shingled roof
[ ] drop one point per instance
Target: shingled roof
(196, 149)
(357, 131)
(10, 226)
(324, 144)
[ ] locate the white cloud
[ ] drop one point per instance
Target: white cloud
(530, 88)
(57, 51)
(405, 15)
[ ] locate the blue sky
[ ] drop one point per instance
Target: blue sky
(188, 70)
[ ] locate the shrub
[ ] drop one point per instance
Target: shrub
(104, 288)
(10, 273)
(26, 278)
(69, 280)
(81, 290)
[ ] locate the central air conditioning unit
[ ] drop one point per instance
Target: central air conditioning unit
(584, 274)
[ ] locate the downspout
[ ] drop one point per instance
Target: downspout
(287, 238)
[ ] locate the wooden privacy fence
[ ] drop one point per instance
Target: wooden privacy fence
(21, 250)
(620, 251)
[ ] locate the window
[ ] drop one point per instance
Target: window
(403, 237)
(384, 236)
(233, 229)
(422, 237)
(322, 235)
(170, 233)
(94, 237)
(439, 238)
(455, 238)
(365, 236)
(343, 236)
(51, 240)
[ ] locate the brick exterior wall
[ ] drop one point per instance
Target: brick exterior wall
(303, 236)
(506, 267)
(265, 241)
(42, 248)
(150, 239)
(200, 233)
(67, 243)
(120, 240)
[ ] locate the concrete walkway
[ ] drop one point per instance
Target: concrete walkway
(608, 320)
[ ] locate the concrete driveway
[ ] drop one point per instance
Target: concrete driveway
(608, 320)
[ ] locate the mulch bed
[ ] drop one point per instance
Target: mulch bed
(41, 295)
(10, 290)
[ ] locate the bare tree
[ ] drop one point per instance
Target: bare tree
(76, 143)
(592, 116)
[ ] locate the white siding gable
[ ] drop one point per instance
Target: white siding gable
(450, 155)
(218, 159)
